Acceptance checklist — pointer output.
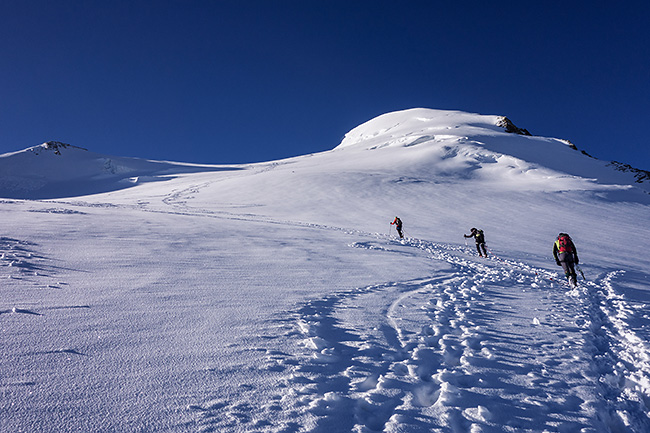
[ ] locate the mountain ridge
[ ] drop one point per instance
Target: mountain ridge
(471, 143)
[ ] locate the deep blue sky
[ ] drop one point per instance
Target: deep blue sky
(246, 81)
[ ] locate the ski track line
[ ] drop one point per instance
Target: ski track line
(178, 202)
(489, 346)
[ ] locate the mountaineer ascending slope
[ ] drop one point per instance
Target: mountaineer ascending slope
(565, 254)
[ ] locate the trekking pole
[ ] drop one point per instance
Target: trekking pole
(581, 273)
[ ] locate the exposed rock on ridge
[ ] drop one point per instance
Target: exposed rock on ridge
(54, 146)
(641, 176)
(507, 124)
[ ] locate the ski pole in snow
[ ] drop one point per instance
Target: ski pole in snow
(581, 273)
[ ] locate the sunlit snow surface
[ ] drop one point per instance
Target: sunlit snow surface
(145, 296)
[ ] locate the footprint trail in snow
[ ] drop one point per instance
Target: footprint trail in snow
(486, 346)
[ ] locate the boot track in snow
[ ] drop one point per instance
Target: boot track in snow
(489, 346)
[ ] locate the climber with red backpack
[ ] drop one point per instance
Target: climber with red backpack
(566, 255)
(398, 225)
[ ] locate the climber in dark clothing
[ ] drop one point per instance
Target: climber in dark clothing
(398, 226)
(566, 255)
(479, 237)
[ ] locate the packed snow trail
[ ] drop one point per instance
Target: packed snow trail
(483, 346)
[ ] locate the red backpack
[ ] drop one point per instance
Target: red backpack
(564, 243)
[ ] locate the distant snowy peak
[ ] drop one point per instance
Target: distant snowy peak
(54, 169)
(53, 146)
(415, 126)
(48, 148)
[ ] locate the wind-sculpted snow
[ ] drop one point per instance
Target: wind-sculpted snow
(22, 261)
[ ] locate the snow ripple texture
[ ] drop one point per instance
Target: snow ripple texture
(488, 346)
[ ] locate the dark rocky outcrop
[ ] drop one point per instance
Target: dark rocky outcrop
(54, 146)
(641, 176)
(507, 124)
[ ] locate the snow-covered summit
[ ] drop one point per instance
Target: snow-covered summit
(47, 148)
(418, 125)
(485, 148)
(54, 146)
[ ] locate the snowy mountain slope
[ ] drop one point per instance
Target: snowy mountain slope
(442, 186)
(275, 297)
